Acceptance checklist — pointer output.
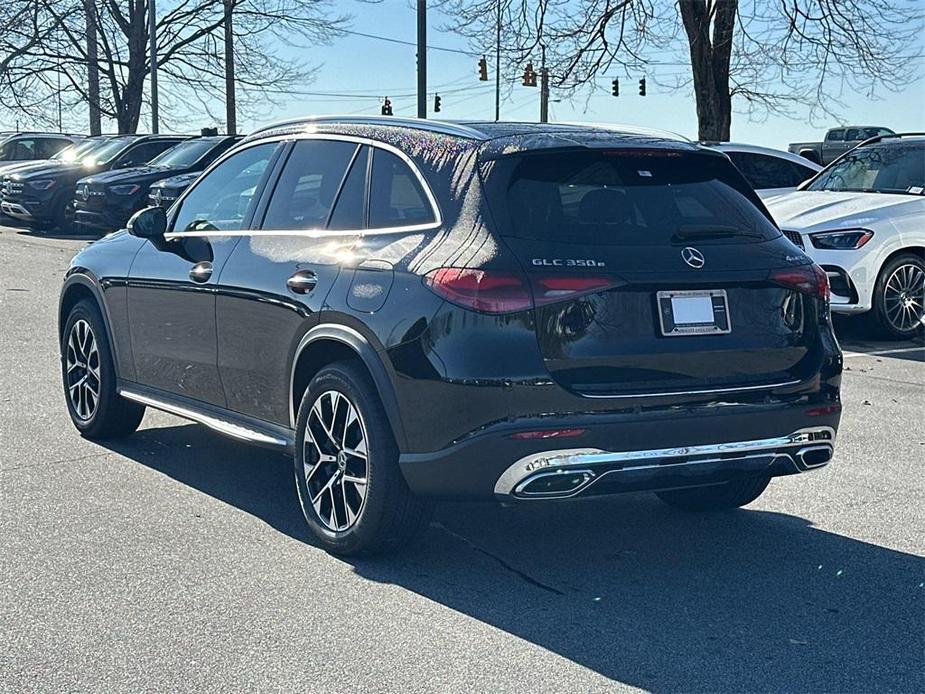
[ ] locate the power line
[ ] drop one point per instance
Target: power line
(390, 39)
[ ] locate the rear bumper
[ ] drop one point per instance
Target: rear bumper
(625, 452)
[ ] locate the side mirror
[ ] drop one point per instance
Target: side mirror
(149, 223)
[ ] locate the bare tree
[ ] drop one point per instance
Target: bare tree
(191, 53)
(768, 56)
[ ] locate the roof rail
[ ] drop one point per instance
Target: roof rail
(629, 129)
(878, 138)
(437, 126)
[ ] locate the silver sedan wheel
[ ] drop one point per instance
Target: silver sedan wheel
(334, 463)
(904, 297)
(83, 370)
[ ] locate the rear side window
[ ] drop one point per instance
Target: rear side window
(144, 153)
(395, 194)
(305, 193)
(763, 171)
(620, 198)
(349, 210)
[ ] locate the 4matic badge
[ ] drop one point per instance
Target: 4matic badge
(568, 262)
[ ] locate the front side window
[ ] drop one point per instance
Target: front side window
(17, 150)
(836, 135)
(224, 198)
(895, 168)
(304, 195)
(396, 197)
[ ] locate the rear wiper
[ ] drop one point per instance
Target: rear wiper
(686, 232)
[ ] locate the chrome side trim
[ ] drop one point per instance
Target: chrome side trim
(319, 233)
(705, 391)
(588, 457)
(222, 426)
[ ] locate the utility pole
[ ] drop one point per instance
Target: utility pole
(152, 44)
(60, 127)
(93, 69)
(422, 58)
(498, 63)
(544, 89)
(231, 121)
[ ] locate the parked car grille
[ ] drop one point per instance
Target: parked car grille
(90, 195)
(161, 198)
(795, 238)
(10, 189)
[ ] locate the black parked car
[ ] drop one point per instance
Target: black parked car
(44, 192)
(165, 192)
(417, 309)
(106, 200)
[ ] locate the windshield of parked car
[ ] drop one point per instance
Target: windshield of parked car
(184, 154)
(628, 198)
(885, 168)
(75, 152)
(107, 151)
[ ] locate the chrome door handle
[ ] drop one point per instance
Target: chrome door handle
(201, 272)
(302, 282)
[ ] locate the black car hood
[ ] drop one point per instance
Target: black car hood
(54, 170)
(140, 175)
(180, 181)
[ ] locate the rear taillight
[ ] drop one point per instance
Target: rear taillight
(490, 291)
(808, 279)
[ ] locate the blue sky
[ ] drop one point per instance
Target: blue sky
(359, 64)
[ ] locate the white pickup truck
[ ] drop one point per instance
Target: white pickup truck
(837, 141)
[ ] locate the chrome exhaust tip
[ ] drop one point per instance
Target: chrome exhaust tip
(810, 457)
(554, 483)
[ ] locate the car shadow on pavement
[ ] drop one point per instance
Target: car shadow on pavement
(745, 600)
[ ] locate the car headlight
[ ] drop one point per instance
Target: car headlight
(127, 189)
(841, 240)
(44, 184)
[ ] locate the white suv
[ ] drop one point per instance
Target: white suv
(862, 218)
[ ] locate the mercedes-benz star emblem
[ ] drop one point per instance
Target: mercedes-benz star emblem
(157, 196)
(85, 193)
(692, 257)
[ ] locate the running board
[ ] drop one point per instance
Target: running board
(222, 422)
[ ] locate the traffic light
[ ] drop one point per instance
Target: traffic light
(642, 87)
(529, 76)
(483, 69)
(616, 87)
(436, 103)
(387, 107)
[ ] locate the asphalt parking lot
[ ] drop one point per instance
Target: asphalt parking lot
(176, 560)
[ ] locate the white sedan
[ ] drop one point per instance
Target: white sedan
(770, 172)
(863, 220)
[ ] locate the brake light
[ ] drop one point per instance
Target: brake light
(481, 290)
(489, 291)
(808, 279)
(548, 434)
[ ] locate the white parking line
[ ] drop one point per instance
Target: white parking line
(903, 350)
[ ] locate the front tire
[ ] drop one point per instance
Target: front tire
(351, 490)
(718, 497)
(89, 378)
(899, 298)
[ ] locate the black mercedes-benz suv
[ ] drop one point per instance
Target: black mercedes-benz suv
(418, 310)
(43, 194)
(106, 200)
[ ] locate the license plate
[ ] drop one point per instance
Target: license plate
(693, 312)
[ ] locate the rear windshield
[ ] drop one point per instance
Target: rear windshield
(621, 198)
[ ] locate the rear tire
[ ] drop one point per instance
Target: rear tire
(351, 490)
(718, 497)
(899, 298)
(89, 378)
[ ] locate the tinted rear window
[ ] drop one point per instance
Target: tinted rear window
(619, 198)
